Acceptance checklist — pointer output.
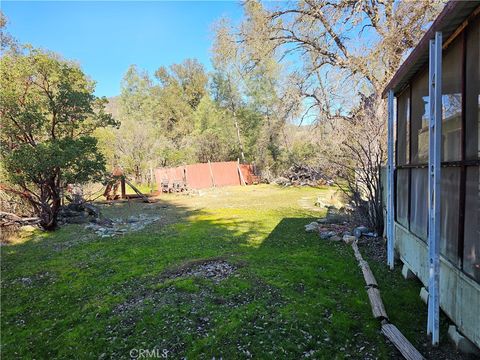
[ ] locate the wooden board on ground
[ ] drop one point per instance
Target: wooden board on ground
(401, 342)
(145, 199)
(378, 309)
(367, 274)
(356, 252)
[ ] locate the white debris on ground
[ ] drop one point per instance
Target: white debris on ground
(216, 270)
(338, 232)
(313, 226)
(114, 227)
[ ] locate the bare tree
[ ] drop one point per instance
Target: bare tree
(347, 51)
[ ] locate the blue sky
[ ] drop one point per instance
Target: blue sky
(106, 37)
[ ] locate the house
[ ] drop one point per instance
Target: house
(433, 207)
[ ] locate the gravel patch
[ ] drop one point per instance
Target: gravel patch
(216, 270)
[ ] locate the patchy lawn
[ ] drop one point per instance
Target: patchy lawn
(227, 273)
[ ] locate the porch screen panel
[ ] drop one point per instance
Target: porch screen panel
(472, 96)
(471, 249)
(452, 101)
(402, 196)
(403, 124)
(449, 212)
(418, 203)
(420, 112)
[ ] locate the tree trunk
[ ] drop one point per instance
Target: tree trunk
(49, 215)
(240, 145)
(50, 205)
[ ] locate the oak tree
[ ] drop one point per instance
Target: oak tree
(48, 113)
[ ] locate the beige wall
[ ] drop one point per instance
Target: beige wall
(459, 294)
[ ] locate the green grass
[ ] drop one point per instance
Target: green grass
(70, 294)
(144, 188)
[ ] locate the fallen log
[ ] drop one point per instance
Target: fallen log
(378, 309)
(401, 343)
(367, 274)
(356, 252)
(390, 331)
(8, 219)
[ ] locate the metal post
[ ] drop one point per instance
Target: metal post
(390, 187)
(434, 173)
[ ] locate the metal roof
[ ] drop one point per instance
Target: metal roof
(451, 17)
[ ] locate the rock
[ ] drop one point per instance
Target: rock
(26, 281)
(105, 227)
(313, 226)
(78, 213)
(327, 234)
(348, 239)
(103, 221)
(335, 238)
(347, 233)
(81, 218)
(91, 210)
(359, 231)
(322, 221)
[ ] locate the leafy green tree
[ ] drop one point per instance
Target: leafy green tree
(6, 40)
(48, 113)
(158, 118)
(251, 84)
(189, 78)
(136, 142)
(179, 92)
(213, 133)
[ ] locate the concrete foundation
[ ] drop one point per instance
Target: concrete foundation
(461, 342)
(424, 295)
(459, 294)
(407, 273)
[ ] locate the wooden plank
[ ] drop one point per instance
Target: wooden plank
(145, 199)
(378, 309)
(401, 343)
(240, 173)
(356, 252)
(367, 274)
(211, 174)
(123, 188)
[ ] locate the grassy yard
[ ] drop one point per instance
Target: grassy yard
(73, 294)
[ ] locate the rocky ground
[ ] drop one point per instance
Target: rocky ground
(113, 227)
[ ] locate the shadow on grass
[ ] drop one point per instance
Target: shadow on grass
(72, 292)
(60, 289)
